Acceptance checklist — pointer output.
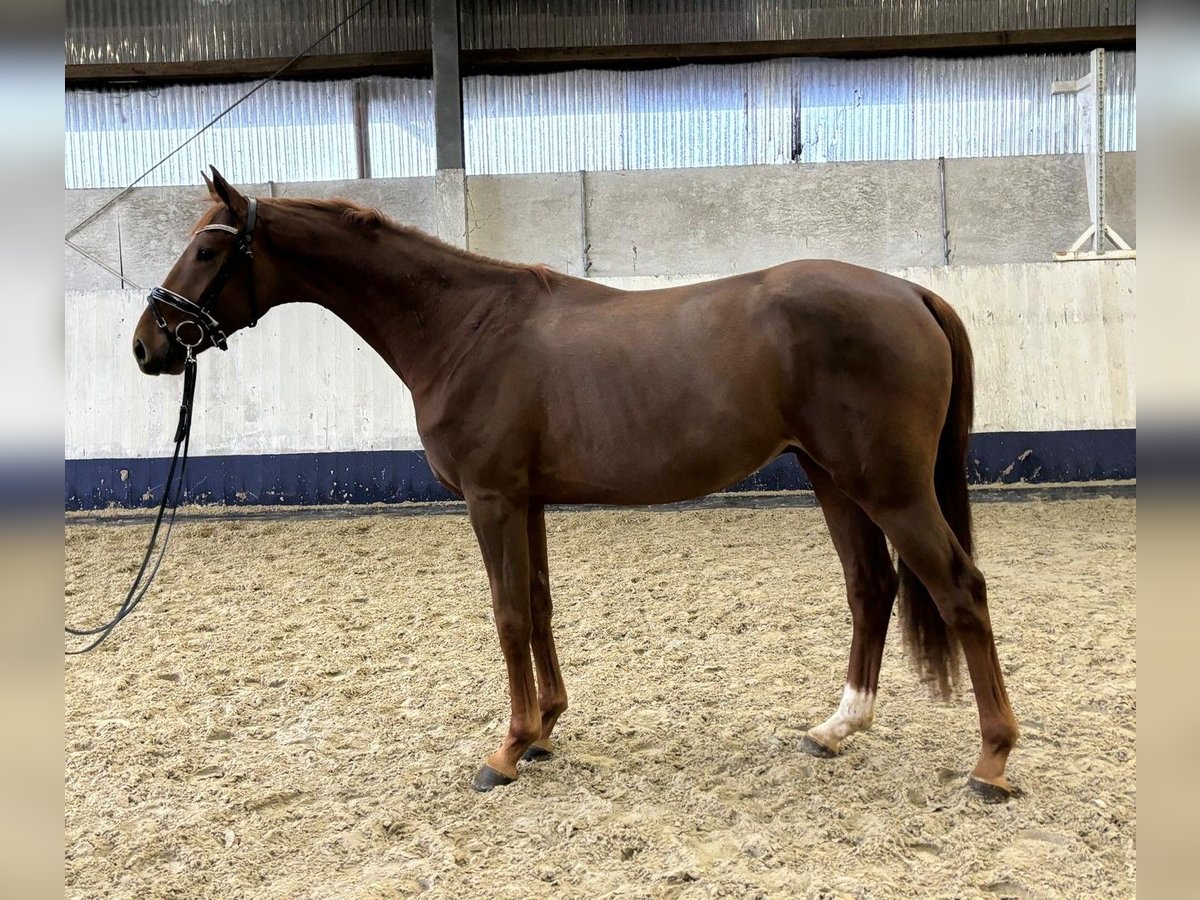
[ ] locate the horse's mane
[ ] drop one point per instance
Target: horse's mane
(368, 218)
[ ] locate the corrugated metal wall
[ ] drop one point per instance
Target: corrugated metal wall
(400, 131)
(173, 30)
(125, 31)
(809, 110)
(290, 130)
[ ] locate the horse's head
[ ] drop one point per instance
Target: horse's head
(210, 292)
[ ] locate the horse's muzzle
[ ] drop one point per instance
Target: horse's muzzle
(157, 357)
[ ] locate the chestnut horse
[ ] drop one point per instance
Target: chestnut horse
(532, 388)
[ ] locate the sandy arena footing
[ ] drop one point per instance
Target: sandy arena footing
(298, 706)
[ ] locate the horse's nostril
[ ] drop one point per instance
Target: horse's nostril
(139, 351)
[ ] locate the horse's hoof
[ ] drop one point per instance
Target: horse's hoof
(487, 778)
(534, 753)
(989, 792)
(813, 747)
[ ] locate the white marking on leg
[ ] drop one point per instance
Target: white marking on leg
(854, 713)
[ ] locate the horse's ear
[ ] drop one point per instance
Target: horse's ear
(223, 192)
(212, 191)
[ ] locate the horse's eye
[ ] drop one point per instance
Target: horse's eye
(204, 253)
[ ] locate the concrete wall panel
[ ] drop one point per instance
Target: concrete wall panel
(409, 201)
(528, 218)
(680, 222)
(301, 380)
(740, 219)
(1053, 342)
(100, 238)
(1121, 200)
(1023, 209)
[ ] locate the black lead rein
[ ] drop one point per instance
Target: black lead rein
(141, 584)
(207, 327)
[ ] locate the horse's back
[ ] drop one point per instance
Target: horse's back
(813, 289)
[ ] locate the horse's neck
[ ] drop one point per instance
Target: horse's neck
(409, 297)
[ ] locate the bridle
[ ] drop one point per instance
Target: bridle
(207, 327)
(201, 312)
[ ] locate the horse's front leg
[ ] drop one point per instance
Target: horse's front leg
(552, 694)
(501, 526)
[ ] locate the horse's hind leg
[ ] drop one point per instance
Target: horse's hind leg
(928, 546)
(871, 590)
(552, 694)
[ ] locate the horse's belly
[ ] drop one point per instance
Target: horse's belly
(652, 471)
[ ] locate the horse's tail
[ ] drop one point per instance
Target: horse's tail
(934, 649)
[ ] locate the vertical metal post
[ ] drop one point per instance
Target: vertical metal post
(447, 85)
(450, 181)
(1090, 93)
(585, 242)
(362, 139)
(1099, 86)
(945, 216)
